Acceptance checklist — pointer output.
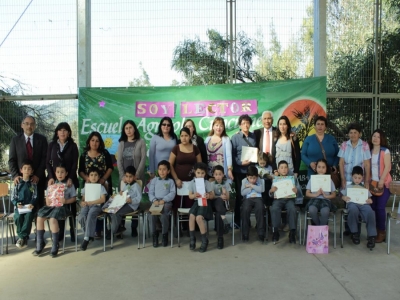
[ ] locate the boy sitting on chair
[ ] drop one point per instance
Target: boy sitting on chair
(24, 194)
(356, 210)
(252, 189)
(162, 192)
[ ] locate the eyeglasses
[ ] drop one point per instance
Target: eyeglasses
(165, 124)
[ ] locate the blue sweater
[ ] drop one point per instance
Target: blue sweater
(311, 151)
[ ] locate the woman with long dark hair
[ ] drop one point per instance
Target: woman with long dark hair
(63, 150)
(285, 147)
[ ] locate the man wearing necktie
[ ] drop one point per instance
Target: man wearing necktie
(32, 146)
(265, 136)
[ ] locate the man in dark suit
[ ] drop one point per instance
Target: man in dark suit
(33, 146)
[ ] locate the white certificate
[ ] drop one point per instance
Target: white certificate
(357, 195)
(184, 190)
(24, 210)
(92, 191)
(200, 186)
(249, 153)
(285, 189)
(321, 182)
(118, 200)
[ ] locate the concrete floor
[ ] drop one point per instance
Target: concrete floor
(244, 271)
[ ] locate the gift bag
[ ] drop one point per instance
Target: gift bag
(317, 239)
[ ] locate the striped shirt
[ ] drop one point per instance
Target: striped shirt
(354, 156)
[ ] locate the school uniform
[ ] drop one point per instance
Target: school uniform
(25, 192)
(134, 192)
(219, 204)
(88, 215)
(196, 210)
(321, 204)
(162, 189)
(356, 210)
(276, 211)
(252, 198)
(60, 212)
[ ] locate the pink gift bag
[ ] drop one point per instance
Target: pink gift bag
(318, 239)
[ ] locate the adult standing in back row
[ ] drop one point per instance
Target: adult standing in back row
(32, 146)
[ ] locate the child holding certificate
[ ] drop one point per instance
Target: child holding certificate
(221, 188)
(91, 209)
(251, 190)
(357, 209)
(321, 200)
(162, 191)
(24, 196)
(57, 196)
(201, 208)
(279, 203)
(133, 198)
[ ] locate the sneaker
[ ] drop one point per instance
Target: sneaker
(371, 242)
(355, 238)
(20, 243)
(84, 245)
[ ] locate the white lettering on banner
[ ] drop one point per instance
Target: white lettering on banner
(235, 107)
(102, 128)
(200, 108)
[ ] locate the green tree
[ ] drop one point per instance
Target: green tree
(142, 80)
(203, 63)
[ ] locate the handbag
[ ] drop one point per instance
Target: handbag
(374, 189)
(335, 175)
(318, 239)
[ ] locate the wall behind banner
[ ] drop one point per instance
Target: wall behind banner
(106, 109)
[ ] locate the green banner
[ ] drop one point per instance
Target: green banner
(106, 109)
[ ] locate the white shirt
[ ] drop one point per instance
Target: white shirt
(31, 139)
(267, 134)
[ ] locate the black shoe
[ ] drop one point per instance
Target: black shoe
(84, 245)
(38, 251)
(54, 253)
(220, 244)
(155, 240)
(91, 239)
(192, 245)
(245, 238)
(275, 235)
(165, 239)
(204, 245)
(355, 238)
(261, 238)
(292, 236)
(371, 242)
(134, 232)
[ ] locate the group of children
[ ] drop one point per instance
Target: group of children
(162, 191)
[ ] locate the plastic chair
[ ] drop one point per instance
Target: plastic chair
(395, 190)
(332, 218)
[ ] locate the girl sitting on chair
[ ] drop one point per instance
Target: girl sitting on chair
(54, 210)
(320, 200)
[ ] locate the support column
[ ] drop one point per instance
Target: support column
(319, 38)
(84, 58)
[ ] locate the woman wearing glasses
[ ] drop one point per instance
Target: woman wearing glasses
(161, 144)
(63, 149)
